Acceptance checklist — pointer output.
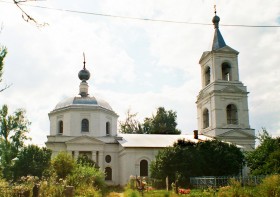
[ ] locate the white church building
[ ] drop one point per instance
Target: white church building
(85, 124)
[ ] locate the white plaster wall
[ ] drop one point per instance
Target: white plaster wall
(129, 161)
(72, 119)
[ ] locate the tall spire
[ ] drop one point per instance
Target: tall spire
(84, 75)
(218, 41)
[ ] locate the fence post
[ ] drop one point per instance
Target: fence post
(69, 191)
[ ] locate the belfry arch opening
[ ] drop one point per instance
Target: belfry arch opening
(232, 117)
(207, 75)
(226, 72)
(205, 118)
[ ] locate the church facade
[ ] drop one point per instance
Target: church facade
(87, 125)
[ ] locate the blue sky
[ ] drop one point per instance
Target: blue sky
(137, 64)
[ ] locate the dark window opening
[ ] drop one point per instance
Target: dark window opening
(60, 127)
(143, 168)
(207, 76)
(232, 114)
(85, 125)
(108, 174)
(108, 158)
(205, 118)
(107, 128)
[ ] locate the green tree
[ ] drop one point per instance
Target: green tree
(178, 163)
(164, 122)
(32, 160)
(186, 159)
(220, 158)
(130, 124)
(265, 158)
(63, 164)
(13, 134)
(3, 53)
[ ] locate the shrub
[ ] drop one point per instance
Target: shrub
(5, 190)
(86, 176)
(52, 187)
(63, 164)
(131, 193)
(270, 186)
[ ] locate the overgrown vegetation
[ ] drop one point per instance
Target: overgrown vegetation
(55, 177)
(270, 187)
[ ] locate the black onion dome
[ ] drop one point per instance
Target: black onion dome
(216, 21)
(84, 75)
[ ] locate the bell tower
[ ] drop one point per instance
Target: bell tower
(222, 103)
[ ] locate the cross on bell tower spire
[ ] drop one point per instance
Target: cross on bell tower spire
(218, 41)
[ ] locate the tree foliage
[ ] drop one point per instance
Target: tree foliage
(265, 159)
(13, 134)
(86, 161)
(186, 159)
(86, 175)
(63, 164)
(32, 160)
(3, 53)
(130, 124)
(164, 122)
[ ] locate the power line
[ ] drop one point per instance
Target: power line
(143, 19)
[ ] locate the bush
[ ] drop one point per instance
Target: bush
(131, 193)
(270, 186)
(86, 175)
(63, 164)
(5, 190)
(52, 187)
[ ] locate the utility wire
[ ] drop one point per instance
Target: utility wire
(141, 19)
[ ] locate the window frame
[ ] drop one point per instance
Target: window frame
(85, 125)
(108, 174)
(232, 114)
(108, 128)
(205, 118)
(60, 127)
(144, 168)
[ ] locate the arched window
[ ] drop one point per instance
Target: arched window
(60, 127)
(205, 118)
(232, 117)
(85, 125)
(143, 167)
(108, 174)
(207, 75)
(108, 128)
(226, 72)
